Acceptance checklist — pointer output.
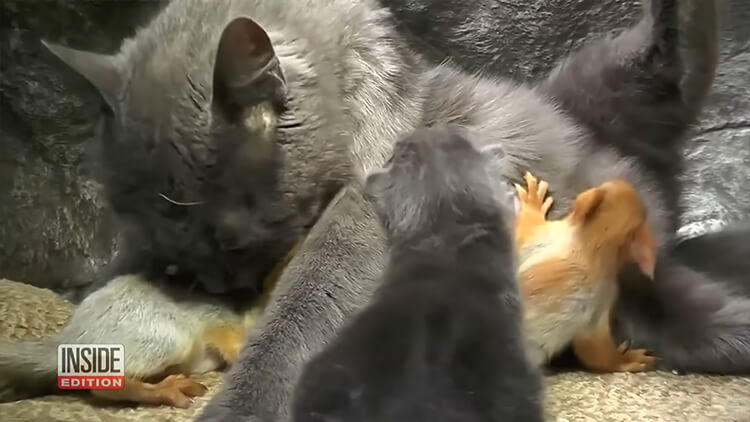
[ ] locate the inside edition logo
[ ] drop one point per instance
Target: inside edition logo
(90, 366)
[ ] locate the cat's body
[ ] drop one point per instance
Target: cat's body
(319, 93)
(442, 337)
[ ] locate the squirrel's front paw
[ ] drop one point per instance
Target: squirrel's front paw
(533, 197)
(634, 360)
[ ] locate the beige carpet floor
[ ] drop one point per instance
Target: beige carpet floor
(27, 312)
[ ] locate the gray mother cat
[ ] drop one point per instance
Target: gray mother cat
(198, 187)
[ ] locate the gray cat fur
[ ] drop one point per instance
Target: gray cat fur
(355, 87)
(441, 339)
(178, 156)
(330, 126)
(514, 118)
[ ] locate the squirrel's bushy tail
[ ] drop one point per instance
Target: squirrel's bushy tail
(27, 368)
(695, 315)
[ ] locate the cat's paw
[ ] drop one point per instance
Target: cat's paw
(534, 196)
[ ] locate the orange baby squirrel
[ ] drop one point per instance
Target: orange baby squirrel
(568, 271)
(166, 336)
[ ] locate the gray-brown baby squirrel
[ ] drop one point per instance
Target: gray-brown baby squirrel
(167, 334)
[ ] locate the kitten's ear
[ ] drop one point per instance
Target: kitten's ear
(493, 152)
(497, 161)
(100, 70)
(247, 71)
(586, 204)
(374, 190)
(375, 184)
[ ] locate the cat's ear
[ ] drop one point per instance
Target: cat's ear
(247, 71)
(101, 70)
(586, 204)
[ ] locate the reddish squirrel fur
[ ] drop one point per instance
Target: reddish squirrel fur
(568, 271)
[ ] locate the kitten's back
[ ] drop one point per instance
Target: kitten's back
(440, 343)
(441, 340)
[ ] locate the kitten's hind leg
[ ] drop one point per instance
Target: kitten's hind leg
(640, 90)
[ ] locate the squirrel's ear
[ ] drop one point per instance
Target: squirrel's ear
(247, 71)
(586, 204)
(101, 70)
(643, 250)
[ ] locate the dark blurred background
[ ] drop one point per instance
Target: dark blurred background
(55, 232)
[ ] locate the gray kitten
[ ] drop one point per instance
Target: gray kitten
(441, 339)
(256, 113)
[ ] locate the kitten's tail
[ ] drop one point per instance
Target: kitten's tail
(695, 315)
(27, 368)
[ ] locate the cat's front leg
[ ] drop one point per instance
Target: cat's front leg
(332, 276)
